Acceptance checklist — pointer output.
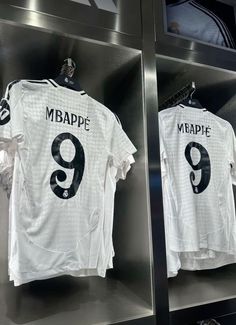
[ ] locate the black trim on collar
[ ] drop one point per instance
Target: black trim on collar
(37, 82)
(52, 83)
(10, 86)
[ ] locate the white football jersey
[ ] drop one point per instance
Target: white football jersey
(67, 144)
(198, 156)
(191, 19)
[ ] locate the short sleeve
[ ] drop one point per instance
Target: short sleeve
(11, 132)
(11, 124)
(232, 153)
(120, 148)
(162, 145)
(6, 170)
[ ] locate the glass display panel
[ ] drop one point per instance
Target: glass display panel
(208, 21)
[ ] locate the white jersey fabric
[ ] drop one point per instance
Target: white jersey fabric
(191, 19)
(70, 151)
(198, 156)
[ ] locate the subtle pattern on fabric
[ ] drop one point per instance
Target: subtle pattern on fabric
(200, 227)
(53, 235)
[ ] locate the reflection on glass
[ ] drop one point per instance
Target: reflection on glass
(209, 21)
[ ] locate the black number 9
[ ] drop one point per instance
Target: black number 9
(204, 165)
(77, 164)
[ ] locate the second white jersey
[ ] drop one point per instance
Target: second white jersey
(198, 154)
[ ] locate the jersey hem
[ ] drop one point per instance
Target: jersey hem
(20, 278)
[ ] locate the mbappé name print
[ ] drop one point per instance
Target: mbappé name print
(59, 116)
(204, 163)
(194, 129)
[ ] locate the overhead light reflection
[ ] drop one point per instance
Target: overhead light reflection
(117, 20)
(33, 5)
(150, 75)
(33, 19)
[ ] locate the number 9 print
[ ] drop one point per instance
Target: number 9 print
(204, 165)
(77, 164)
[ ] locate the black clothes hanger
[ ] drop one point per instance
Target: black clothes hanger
(177, 97)
(65, 78)
(184, 96)
(190, 101)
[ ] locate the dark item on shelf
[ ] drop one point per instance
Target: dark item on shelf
(209, 21)
(183, 96)
(208, 322)
(65, 78)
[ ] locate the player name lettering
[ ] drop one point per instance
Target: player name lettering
(56, 115)
(194, 129)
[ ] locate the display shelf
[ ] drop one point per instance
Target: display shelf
(112, 75)
(190, 289)
(202, 294)
(99, 13)
(214, 86)
(70, 300)
(77, 21)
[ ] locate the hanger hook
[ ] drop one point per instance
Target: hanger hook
(193, 89)
(68, 67)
